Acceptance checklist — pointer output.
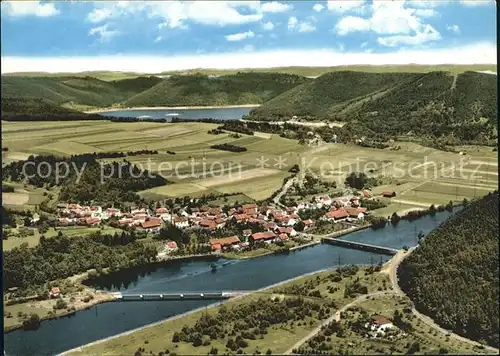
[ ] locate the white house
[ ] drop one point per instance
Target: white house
(379, 324)
(181, 223)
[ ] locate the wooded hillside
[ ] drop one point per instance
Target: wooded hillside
(456, 107)
(198, 90)
(453, 275)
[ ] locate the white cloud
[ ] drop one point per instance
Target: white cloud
(103, 32)
(175, 14)
(352, 24)
(306, 27)
(268, 26)
(29, 8)
(428, 34)
(426, 12)
(99, 15)
(391, 18)
(158, 39)
(428, 3)
(479, 53)
(240, 36)
(453, 28)
(476, 2)
(275, 6)
(300, 26)
(342, 6)
(318, 7)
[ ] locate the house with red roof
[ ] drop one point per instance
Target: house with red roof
(289, 231)
(151, 225)
(336, 215)
(208, 224)
(267, 236)
(307, 224)
(92, 221)
(283, 236)
(55, 292)
(225, 242)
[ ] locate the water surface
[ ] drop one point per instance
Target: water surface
(55, 336)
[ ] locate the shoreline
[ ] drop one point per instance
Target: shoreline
(97, 111)
(80, 348)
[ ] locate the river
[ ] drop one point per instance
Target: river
(193, 114)
(55, 336)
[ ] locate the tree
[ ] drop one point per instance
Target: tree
(32, 322)
(357, 180)
(299, 226)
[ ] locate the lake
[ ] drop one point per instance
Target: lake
(191, 114)
(55, 336)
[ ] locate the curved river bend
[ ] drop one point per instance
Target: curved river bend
(58, 335)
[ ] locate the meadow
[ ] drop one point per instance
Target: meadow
(419, 175)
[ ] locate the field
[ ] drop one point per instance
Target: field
(33, 240)
(419, 175)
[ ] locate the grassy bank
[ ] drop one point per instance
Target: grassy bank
(279, 336)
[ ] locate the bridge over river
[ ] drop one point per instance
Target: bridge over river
(360, 246)
(159, 296)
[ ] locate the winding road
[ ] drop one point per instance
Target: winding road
(391, 268)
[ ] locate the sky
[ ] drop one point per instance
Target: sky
(154, 36)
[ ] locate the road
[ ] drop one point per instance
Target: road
(392, 270)
(284, 189)
(335, 317)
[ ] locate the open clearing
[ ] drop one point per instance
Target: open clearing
(15, 199)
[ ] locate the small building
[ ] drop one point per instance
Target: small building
(151, 225)
(208, 224)
(336, 215)
(307, 224)
(289, 231)
(389, 194)
(355, 213)
(92, 221)
(218, 244)
(181, 223)
(379, 324)
(283, 236)
(171, 246)
(55, 292)
(262, 236)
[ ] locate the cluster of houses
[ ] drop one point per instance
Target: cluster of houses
(277, 224)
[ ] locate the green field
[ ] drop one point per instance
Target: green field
(418, 174)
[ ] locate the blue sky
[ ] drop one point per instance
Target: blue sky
(208, 33)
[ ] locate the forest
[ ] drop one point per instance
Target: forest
(60, 257)
(199, 90)
(83, 179)
(454, 275)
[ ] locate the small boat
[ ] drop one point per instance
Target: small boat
(172, 114)
(144, 117)
(226, 263)
(213, 266)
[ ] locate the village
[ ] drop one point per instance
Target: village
(276, 224)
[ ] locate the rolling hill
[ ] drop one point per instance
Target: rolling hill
(454, 275)
(35, 109)
(436, 104)
(198, 90)
(76, 90)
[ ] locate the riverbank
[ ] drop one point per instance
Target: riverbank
(189, 317)
(102, 110)
(75, 302)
